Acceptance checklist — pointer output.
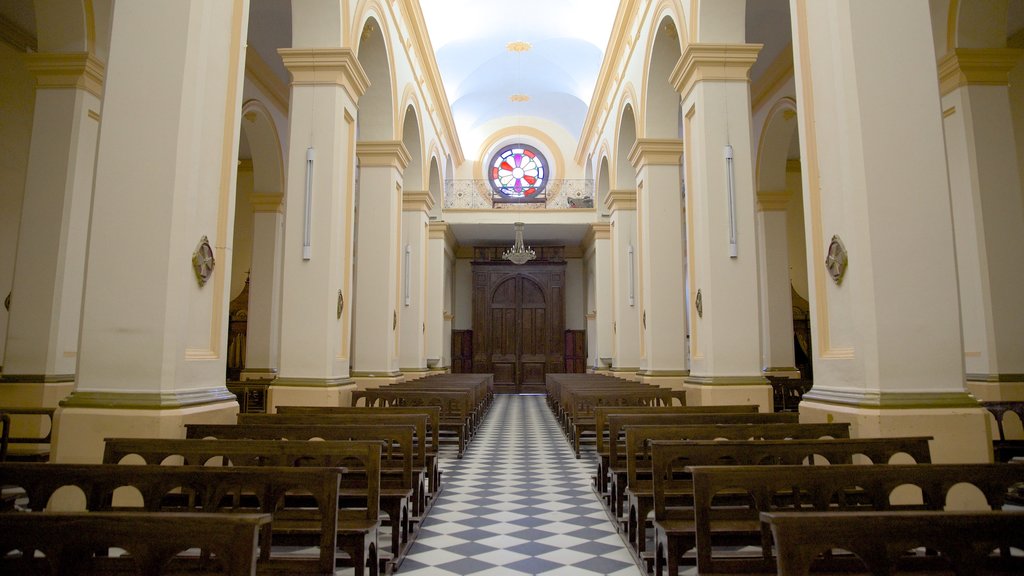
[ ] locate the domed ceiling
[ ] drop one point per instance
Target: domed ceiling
(514, 60)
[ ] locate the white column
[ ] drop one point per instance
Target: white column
(376, 323)
(660, 263)
(621, 204)
(725, 336)
(440, 258)
(153, 338)
(49, 271)
(888, 350)
(776, 293)
(603, 344)
(988, 217)
(412, 346)
(263, 337)
(319, 223)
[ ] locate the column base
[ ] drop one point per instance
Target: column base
(415, 373)
(775, 372)
(364, 381)
(79, 431)
(961, 434)
(309, 392)
(721, 391)
(258, 375)
(26, 393)
(676, 380)
(626, 373)
(996, 387)
(440, 370)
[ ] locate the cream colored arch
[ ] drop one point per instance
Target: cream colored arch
(265, 144)
(412, 137)
(627, 103)
(976, 24)
(527, 135)
(372, 18)
(780, 126)
(318, 25)
(667, 15)
(411, 99)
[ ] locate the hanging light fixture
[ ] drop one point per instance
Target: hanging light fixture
(518, 253)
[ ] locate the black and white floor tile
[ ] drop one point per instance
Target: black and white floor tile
(518, 503)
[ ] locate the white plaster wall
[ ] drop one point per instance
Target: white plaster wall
(558, 145)
(575, 295)
(463, 297)
(17, 102)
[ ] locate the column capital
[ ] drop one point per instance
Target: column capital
(417, 201)
(773, 201)
(81, 70)
(384, 153)
(655, 152)
(620, 200)
(976, 66)
(704, 61)
(318, 66)
(267, 202)
(598, 231)
(439, 230)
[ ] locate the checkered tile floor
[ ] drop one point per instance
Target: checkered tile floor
(518, 503)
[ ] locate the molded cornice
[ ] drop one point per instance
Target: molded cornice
(79, 70)
(713, 62)
(384, 153)
(597, 231)
(655, 152)
(620, 200)
(773, 201)
(417, 201)
(319, 66)
(977, 66)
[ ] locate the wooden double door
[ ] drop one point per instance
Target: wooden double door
(518, 323)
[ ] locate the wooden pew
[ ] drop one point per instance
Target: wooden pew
(601, 427)
(433, 414)
(21, 443)
(1006, 449)
(580, 414)
(456, 409)
(190, 489)
(965, 539)
(837, 489)
(419, 422)
(639, 491)
(674, 524)
(616, 422)
(397, 481)
(359, 520)
(69, 541)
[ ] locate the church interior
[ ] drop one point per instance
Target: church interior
(217, 211)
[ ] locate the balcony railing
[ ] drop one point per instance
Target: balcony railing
(478, 195)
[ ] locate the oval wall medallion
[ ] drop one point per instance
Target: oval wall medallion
(203, 261)
(837, 259)
(341, 304)
(700, 304)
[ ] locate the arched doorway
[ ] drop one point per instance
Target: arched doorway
(518, 323)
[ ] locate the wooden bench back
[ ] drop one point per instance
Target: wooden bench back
(362, 459)
(193, 489)
(397, 440)
(639, 437)
(838, 488)
(433, 414)
(584, 402)
(670, 458)
(152, 543)
(455, 405)
(616, 423)
(296, 421)
(601, 414)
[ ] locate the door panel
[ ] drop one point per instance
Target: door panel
(519, 322)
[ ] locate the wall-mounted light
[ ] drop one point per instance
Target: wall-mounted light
(307, 233)
(408, 261)
(733, 251)
(632, 296)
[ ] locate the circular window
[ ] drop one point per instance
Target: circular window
(519, 172)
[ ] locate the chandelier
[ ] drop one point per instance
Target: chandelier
(519, 254)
